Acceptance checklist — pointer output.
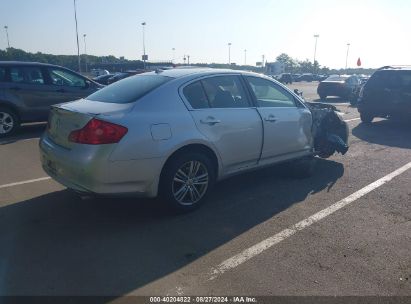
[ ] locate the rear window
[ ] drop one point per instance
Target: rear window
(129, 89)
(336, 78)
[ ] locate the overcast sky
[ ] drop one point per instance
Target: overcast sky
(378, 30)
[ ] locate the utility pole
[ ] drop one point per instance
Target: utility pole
(7, 35)
(174, 50)
(315, 50)
(78, 45)
(188, 59)
(144, 44)
(245, 57)
(85, 50)
(346, 58)
(229, 53)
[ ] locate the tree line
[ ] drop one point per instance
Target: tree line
(291, 65)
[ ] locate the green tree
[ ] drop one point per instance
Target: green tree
(290, 64)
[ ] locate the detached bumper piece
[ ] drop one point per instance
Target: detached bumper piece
(330, 131)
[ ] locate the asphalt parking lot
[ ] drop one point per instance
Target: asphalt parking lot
(352, 235)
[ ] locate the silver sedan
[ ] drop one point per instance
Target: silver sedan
(174, 133)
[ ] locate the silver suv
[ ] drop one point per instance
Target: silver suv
(28, 90)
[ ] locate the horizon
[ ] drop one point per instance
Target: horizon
(203, 30)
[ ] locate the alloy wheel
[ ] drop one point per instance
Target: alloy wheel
(6, 123)
(190, 182)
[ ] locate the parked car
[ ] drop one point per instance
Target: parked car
(386, 94)
(174, 133)
(305, 77)
(286, 78)
(28, 90)
(344, 86)
(103, 79)
(121, 75)
(98, 72)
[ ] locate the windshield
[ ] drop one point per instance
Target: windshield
(129, 89)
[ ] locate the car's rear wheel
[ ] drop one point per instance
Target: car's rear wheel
(9, 122)
(366, 117)
(186, 181)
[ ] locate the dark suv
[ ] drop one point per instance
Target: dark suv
(386, 94)
(27, 90)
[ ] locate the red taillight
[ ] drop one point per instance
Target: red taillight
(98, 132)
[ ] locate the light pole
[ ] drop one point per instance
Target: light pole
(174, 50)
(262, 63)
(229, 53)
(315, 50)
(188, 59)
(7, 34)
(144, 44)
(85, 50)
(346, 58)
(245, 57)
(78, 45)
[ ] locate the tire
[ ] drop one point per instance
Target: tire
(9, 122)
(366, 117)
(177, 185)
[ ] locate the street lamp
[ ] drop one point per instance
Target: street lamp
(78, 45)
(245, 57)
(315, 50)
(7, 34)
(144, 44)
(229, 53)
(85, 50)
(188, 59)
(346, 58)
(174, 50)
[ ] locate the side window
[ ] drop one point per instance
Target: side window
(27, 75)
(225, 92)
(2, 74)
(195, 95)
(269, 94)
(65, 78)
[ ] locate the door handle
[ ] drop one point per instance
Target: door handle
(270, 118)
(210, 121)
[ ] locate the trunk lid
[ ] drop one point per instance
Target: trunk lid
(65, 118)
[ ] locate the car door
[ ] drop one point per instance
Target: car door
(67, 85)
(224, 114)
(287, 123)
(27, 87)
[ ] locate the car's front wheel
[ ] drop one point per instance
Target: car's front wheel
(9, 122)
(323, 97)
(186, 181)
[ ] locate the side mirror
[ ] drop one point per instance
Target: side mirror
(296, 91)
(87, 84)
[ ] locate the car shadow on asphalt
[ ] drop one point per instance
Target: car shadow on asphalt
(387, 132)
(26, 131)
(59, 244)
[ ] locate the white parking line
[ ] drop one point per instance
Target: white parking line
(25, 182)
(348, 120)
(255, 250)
